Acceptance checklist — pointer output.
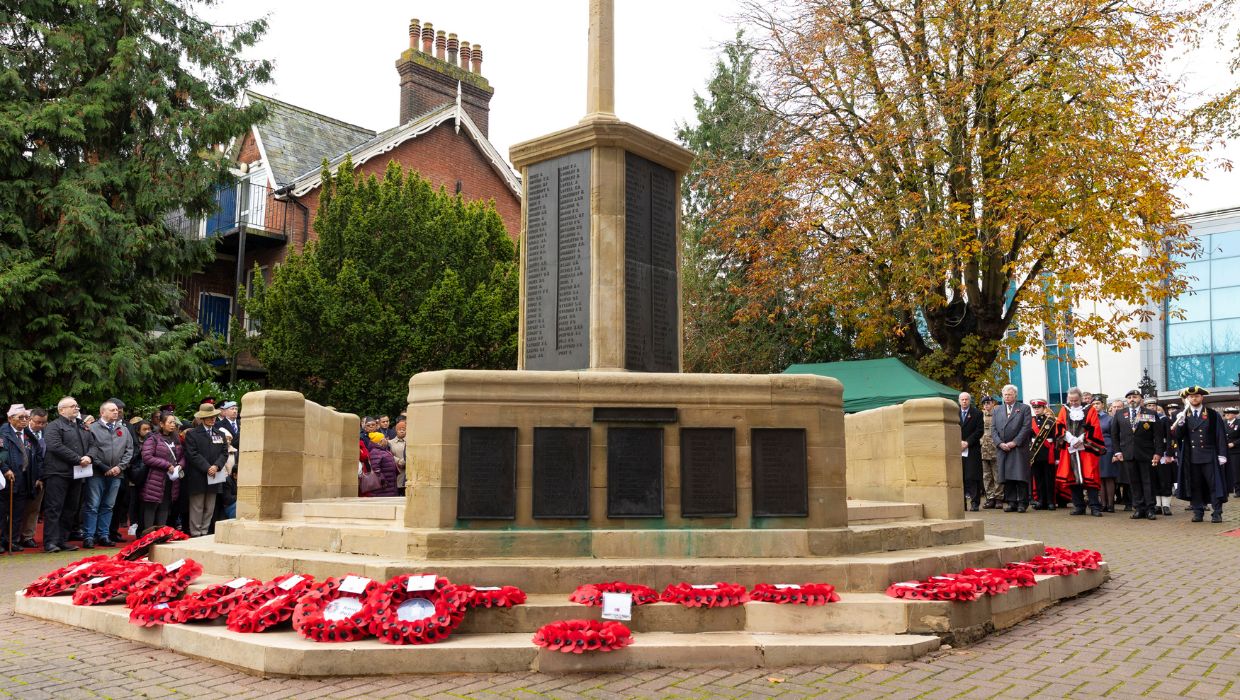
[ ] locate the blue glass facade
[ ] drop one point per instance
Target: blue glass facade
(1203, 347)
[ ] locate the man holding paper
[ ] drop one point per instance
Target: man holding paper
(206, 454)
(66, 465)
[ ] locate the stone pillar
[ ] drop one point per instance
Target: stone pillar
(934, 477)
(601, 63)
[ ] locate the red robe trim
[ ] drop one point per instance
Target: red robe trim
(1094, 446)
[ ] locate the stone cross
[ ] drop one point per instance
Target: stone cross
(601, 64)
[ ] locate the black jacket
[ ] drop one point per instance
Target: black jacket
(971, 432)
(1140, 441)
(10, 443)
(67, 443)
(204, 448)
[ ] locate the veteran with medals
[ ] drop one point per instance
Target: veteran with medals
(1139, 436)
(1232, 424)
(1081, 442)
(1202, 474)
(1012, 429)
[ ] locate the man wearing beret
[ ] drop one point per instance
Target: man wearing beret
(1202, 473)
(1139, 437)
(1233, 445)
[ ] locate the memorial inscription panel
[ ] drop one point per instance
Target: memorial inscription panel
(487, 474)
(707, 472)
(780, 472)
(651, 296)
(557, 264)
(634, 472)
(561, 473)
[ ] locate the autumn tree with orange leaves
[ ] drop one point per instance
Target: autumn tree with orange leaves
(959, 177)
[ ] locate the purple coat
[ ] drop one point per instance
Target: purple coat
(158, 461)
(384, 464)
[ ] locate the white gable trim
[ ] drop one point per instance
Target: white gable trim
(262, 154)
(412, 130)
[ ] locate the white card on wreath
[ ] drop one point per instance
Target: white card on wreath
(239, 582)
(83, 472)
(97, 580)
(288, 583)
(174, 566)
(354, 584)
(617, 606)
(425, 582)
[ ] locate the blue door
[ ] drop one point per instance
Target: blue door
(213, 313)
(225, 217)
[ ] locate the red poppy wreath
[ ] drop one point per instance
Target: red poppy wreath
(1047, 566)
(1016, 578)
(164, 584)
(802, 594)
(113, 579)
(1084, 558)
(142, 546)
(714, 595)
(592, 593)
(65, 577)
(262, 607)
(492, 596)
(335, 609)
(938, 588)
(580, 636)
(151, 614)
(213, 601)
(417, 609)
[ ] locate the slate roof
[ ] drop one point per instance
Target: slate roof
(296, 140)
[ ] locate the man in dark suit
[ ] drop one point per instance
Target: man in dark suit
(68, 447)
(1202, 473)
(1012, 430)
(1139, 437)
(971, 424)
(20, 466)
(206, 451)
(1232, 425)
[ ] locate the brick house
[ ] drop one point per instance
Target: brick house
(442, 134)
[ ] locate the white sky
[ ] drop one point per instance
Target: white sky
(338, 58)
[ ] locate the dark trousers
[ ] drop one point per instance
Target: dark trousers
(120, 509)
(1080, 494)
(1044, 481)
(1201, 492)
(1016, 492)
(1141, 484)
(973, 491)
(155, 514)
(11, 519)
(61, 495)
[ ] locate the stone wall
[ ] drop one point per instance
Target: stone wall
(293, 450)
(910, 453)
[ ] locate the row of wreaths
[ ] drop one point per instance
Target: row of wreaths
(156, 594)
(972, 583)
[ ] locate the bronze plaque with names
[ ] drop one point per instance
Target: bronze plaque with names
(780, 472)
(634, 472)
(487, 474)
(561, 473)
(708, 472)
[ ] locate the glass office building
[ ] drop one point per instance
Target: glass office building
(1203, 347)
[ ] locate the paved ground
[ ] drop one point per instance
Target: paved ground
(1166, 625)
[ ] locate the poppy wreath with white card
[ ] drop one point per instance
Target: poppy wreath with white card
(151, 614)
(794, 593)
(334, 610)
(582, 636)
(417, 609)
(112, 579)
(142, 546)
(168, 583)
(66, 577)
(592, 593)
(712, 595)
(211, 602)
(262, 607)
(492, 596)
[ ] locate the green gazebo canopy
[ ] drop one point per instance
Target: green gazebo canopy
(876, 383)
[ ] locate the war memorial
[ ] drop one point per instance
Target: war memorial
(597, 460)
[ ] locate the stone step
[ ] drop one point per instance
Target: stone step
(378, 538)
(284, 653)
(860, 572)
(365, 511)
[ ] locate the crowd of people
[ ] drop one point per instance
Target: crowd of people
(97, 479)
(1093, 456)
(381, 456)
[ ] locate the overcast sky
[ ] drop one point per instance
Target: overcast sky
(338, 58)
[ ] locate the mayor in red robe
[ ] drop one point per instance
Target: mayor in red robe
(1080, 441)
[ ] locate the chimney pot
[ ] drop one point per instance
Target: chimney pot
(466, 54)
(477, 59)
(428, 37)
(441, 42)
(453, 45)
(415, 33)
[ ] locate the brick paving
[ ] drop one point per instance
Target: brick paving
(1166, 625)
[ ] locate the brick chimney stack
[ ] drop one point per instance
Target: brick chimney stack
(428, 81)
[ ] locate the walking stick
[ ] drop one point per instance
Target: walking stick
(8, 542)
